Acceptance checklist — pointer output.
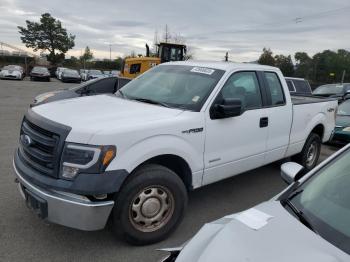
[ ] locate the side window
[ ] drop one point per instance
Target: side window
(275, 88)
(135, 68)
(244, 86)
(103, 86)
(302, 86)
(290, 86)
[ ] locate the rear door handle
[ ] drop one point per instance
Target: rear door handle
(264, 122)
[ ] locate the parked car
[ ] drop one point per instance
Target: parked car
(59, 71)
(342, 124)
(92, 74)
(107, 73)
(309, 221)
(83, 74)
(115, 73)
(339, 91)
(298, 86)
(70, 75)
(12, 72)
(40, 73)
(94, 87)
(132, 156)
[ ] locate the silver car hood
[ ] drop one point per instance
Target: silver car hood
(282, 239)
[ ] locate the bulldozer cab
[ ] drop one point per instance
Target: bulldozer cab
(166, 52)
(171, 52)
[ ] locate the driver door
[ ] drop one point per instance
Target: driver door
(236, 144)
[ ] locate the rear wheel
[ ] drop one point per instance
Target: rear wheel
(150, 206)
(310, 154)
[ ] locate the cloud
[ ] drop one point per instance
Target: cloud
(211, 28)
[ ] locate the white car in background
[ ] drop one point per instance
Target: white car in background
(59, 72)
(83, 74)
(12, 72)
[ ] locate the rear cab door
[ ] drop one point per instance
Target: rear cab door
(279, 110)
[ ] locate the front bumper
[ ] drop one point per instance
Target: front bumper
(16, 77)
(68, 209)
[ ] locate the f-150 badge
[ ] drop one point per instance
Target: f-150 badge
(193, 130)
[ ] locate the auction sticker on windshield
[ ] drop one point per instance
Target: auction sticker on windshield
(202, 70)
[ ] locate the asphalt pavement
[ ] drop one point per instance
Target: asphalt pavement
(24, 237)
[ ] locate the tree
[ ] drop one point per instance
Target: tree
(304, 65)
(266, 58)
(285, 64)
(88, 55)
(48, 35)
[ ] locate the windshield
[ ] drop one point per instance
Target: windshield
(329, 89)
(344, 108)
(70, 72)
(95, 72)
(178, 86)
(40, 69)
(11, 67)
(325, 201)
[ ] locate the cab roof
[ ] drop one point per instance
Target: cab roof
(227, 66)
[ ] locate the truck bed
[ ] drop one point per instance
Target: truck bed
(300, 100)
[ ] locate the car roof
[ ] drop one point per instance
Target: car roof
(227, 66)
(294, 78)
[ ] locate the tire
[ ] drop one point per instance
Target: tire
(145, 188)
(310, 153)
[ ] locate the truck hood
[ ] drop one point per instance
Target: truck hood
(89, 114)
(283, 238)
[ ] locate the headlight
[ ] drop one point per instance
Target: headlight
(78, 158)
(347, 129)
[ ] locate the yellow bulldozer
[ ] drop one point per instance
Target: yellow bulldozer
(166, 52)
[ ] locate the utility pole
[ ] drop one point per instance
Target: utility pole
(166, 35)
(343, 76)
(110, 52)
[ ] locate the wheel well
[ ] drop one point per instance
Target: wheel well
(176, 164)
(319, 129)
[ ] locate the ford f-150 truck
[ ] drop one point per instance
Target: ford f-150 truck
(132, 156)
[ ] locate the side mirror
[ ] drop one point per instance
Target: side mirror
(228, 108)
(290, 172)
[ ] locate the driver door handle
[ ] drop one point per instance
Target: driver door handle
(264, 122)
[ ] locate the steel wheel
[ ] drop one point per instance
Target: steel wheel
(311, 154)
(151, 208)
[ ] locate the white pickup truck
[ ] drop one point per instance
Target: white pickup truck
(133, 156)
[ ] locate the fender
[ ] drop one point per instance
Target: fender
(299, 137)
(157, 145)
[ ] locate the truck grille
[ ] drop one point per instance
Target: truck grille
(38, 149)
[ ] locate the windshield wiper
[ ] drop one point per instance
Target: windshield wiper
(300, 214)
(121, 93)
(150, 101)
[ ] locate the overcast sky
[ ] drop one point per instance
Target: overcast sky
(210, 27)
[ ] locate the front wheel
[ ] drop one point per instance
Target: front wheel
(150, 206)
(310, 153)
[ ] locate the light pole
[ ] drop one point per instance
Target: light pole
(110, 52)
